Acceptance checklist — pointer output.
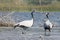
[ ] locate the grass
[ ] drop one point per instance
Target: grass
(12, 7)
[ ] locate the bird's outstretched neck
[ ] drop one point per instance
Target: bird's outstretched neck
(32, 13)
(47, 15)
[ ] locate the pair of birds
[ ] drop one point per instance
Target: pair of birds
(28, 23)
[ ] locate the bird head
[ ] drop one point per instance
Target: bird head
(33, 11)
(47, 15)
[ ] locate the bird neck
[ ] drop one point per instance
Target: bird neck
(47, 16)
(32, 14)
(32, 18)
(47, 20)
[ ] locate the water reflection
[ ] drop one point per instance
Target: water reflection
(35, 31)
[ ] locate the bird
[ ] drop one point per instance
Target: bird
(47, 24)
(26, 23)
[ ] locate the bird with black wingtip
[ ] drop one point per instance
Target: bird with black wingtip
(26, 23)
(47, 24)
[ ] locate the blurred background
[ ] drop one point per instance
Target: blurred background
(27, 5)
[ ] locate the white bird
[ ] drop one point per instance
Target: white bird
(25, 24)
(47, 24)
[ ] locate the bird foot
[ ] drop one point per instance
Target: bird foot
(22, 32)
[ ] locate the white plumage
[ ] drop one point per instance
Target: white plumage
(26, 23)
(47, 24)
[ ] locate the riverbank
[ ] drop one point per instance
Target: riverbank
(49, 8)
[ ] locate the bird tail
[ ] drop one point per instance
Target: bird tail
(16, 26)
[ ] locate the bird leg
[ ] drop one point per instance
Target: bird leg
(24, 28)
(45, 31)
(23, 31)
(49, 30)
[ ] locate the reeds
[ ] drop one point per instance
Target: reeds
(4, 24)
(29, 8)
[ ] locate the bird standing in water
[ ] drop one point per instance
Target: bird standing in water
(26, 23)
(47, 24)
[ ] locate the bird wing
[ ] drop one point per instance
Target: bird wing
(49, 23)
(27, 23)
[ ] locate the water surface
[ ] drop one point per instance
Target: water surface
(33, 33)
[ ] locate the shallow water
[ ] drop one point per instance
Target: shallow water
(33, 33)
